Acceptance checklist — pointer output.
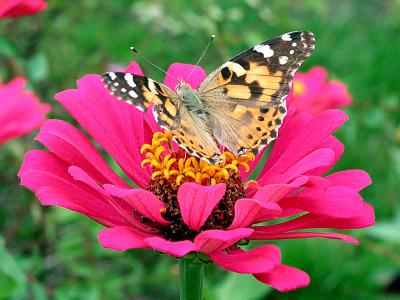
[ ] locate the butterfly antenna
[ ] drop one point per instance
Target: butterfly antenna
(202, 55)
(154, 65)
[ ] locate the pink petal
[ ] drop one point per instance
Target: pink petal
(210, 241)
(259, 260)
(316, 159)
(317, 181)
(70, 145)
(338, 94)
(314, 79)
(275, 192)
(81, 175)
(119, 128)
(257, 235)
(285, 278)
(178, 71)
(20, 110)
(18, 8)
(251, 188)
(309, 221)
(197, 202)
(319, 94)
(337, 147)
(122, 238)
(134, 68)
(48, 177)
(121, 207)
(287, 135)
(177, 249)
(249, 211)
(337, 201)
(307, 139)
(145, 202)
(355, 179)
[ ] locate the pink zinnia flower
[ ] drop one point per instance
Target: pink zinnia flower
(20, 110)
(183, 205)
(313, 93)
(18, 8)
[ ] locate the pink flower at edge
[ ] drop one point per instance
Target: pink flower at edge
(18, 8)
(313, 93)
(73, 174)
(20, 110)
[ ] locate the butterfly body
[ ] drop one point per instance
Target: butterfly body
(241, 105)
(190, 99)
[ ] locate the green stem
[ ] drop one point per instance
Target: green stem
(191, 279)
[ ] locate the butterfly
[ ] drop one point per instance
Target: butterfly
(241, 105)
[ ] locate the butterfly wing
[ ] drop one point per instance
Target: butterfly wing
(195, 137)
(190, 132)
(142, 92)
(245, 97)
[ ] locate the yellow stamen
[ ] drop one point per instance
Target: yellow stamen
(177, 166)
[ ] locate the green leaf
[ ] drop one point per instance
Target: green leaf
(37, 67)
(238, 287)
(7, 48)
(388, 231)
(12, 279)
(8, 285)
(39, 292)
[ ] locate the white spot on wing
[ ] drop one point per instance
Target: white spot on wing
(112, 75)
(133, 94)
(265, 50)
(123, 90)
(286, 37)
(152, 86)
(294, 44)
(283, 60)
(291, 51)
(129, 80)
(116, 84)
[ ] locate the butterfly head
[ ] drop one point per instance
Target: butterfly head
(182, 87)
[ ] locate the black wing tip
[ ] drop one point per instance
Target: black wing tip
(108, 77)
(300, 32)
(307, 38)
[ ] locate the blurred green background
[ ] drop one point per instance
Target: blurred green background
(51, 253)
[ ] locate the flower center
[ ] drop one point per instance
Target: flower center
(172, 166)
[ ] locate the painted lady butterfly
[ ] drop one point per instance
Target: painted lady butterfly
(241, 105)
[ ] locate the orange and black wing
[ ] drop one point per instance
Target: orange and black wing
(142, 92)
(246, 95)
